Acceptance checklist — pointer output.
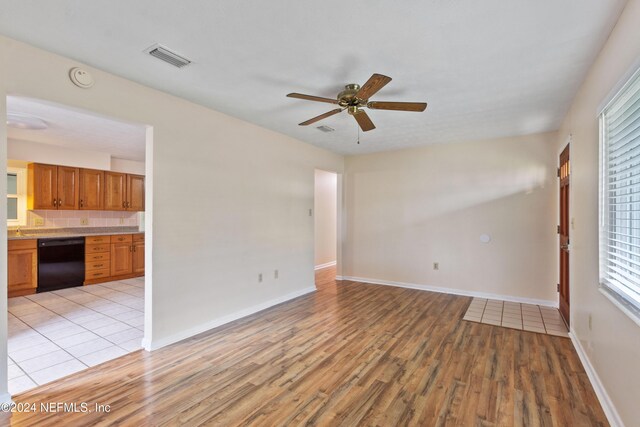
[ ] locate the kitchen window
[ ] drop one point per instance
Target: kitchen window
(16, 196)
(620, 199)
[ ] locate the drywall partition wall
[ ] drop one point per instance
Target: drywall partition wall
(52, 154)
(325, 211)
(612, 343)
(4, 392)
(230, 199)
(409, 209)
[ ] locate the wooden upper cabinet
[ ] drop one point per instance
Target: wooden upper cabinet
(68, 188)
(91, 189)
(115, 191)
(135, 193)
(42, 186)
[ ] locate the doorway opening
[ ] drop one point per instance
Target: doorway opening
(564, 173)
(325, 227)
(79, 184)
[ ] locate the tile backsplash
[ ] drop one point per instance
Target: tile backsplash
(56, 219)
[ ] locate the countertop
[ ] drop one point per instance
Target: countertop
(57, 233)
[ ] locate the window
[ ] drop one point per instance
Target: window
(620, 197)
(16, 196)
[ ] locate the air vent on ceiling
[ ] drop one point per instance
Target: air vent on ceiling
(324, 128)
(168, 56)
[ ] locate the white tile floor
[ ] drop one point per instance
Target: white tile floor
(54, 334)
(526, 317)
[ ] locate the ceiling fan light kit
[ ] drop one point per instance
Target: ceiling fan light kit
(355, 97)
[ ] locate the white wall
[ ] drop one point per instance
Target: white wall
(408, 209)
(325, 211)
(127, 166)
(29, 151)
(230, 199)
(52, 154)
(613, 342)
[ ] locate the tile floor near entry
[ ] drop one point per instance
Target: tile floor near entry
(515, 315)
(54, 334)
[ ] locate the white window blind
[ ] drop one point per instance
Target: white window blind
(620, 196)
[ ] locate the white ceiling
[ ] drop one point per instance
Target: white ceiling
(78, 129)
(488, 68)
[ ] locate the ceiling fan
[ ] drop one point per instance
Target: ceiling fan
(354, 98)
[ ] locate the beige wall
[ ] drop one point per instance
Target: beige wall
(325, 211)
(408, 209)
(230, 199)
(613, 342)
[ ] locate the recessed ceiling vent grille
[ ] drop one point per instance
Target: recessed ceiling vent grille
(324, 128)
(168, 56)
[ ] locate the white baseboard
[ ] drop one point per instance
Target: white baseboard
(547, 303)
(605, 401)
(325, 265)
(162, 342)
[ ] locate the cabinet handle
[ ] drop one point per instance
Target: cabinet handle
(130, 248)
(59, 202)
(81, 203)
(55, 202)
(134, 248)
(124, 204)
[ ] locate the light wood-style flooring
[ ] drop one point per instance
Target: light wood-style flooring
(349, 354)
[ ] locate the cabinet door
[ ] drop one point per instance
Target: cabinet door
(91, 189)
(115, 191)
(138, 258)
(42, 186)
(68, 187)
(135, 192)
(22, 269)
(121, 257)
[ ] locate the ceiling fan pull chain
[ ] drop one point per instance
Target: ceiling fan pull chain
(358, 134)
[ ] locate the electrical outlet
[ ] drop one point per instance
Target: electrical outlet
(275, 274)
(121, 220)
(436, 266)
(260, 277)
(310, 212)
(84, 221)
(38, 222)
(590, 322)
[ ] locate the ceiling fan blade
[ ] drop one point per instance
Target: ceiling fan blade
(321, 116)
(374, 84)
(364, 121)
(397, 106)
(312, 98)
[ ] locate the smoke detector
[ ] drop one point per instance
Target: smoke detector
(81, 78)
(168, 56)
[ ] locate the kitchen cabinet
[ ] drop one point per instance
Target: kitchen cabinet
(22, 267)
(124, 192)
(121, 255)
(97, 258)
(135, 193)
(115, 257)
(91, 189)
(52, 187)
(138, 254)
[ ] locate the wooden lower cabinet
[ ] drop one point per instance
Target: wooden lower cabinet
(22, 267)
(113, 257)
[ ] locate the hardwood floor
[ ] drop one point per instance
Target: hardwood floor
(349, 354)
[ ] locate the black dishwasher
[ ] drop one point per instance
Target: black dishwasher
(60, 263)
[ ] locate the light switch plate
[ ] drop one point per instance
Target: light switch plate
(38, 222)
(84, 221)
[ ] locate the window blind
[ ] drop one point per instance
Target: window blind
(620, 195)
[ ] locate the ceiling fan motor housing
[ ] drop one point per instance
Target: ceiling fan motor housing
(347, 98)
